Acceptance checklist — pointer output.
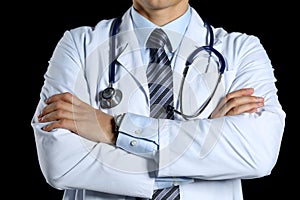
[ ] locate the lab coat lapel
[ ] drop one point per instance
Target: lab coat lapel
(128, 54)
(129, 57)
(130, 71)
(195, 37)
(128, 50)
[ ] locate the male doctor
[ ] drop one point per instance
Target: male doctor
(118, 151)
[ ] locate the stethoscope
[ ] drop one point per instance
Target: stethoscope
(111, 97)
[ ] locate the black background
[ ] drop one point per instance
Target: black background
(34, 29)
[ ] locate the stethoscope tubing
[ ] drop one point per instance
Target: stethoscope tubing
(209, 48)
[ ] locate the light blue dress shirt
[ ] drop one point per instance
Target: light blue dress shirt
(147, 144)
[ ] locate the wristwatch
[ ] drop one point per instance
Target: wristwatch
(118, 120)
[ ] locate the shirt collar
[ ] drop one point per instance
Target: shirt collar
(175, 29)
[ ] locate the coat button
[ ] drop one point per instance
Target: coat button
(175, 183)
(133, 142)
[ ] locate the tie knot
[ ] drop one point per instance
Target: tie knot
(158, 39)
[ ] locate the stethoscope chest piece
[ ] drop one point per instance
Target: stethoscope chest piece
(110, 97)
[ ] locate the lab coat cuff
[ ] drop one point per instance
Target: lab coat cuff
(138, 135)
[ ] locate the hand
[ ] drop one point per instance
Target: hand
(237, 102)
(69, 112)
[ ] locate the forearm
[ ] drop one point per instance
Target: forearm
(70, 161)
(229, 147)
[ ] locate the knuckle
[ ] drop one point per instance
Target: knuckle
(234, 102)
(68, 95)
(235, 110)
(60, 113)
(228, 96)
(62, 122)
(58, 104)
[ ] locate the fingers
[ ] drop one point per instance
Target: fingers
(248, 104)
(66, 97)
(237, 102)
(232, 95)
(241, 101)
(53, 115)
(58, 107)
(67, 111)
(60, 110)
(63, 123)
(239, 93)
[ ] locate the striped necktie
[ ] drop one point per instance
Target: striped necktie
(160, 82)
(159, 74)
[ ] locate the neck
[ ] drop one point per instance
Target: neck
(162, 14)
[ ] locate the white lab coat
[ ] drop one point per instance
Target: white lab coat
(216, 153)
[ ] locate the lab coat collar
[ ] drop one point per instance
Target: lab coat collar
(195, 37)
(198, 32)
(128, 48)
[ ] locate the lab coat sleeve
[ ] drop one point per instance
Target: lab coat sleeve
(242, 146)
(69, 161)
(134, 138)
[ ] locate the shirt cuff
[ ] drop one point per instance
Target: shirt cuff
(138, 135)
